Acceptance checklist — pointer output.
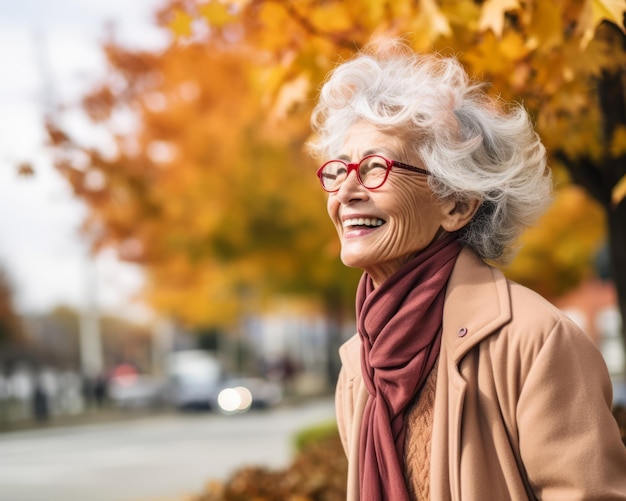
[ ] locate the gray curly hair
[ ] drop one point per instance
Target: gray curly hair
(475, 146)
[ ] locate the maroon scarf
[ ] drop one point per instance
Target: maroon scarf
(399, 324)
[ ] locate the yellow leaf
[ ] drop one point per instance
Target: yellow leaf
(331, 17)
(277, 27)
(428, 25)
(586, 26)
(618, 194)
(512, 47)
(374, 12)
(462, 13)
(618, 142)
(496, 58)
(439, 22)
(596, 11)
(609, 10)
(216, 13)
(181, 24)
(546, 29)
(291, 94)
(401, 9)
(492, 16)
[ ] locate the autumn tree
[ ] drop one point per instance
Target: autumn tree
(565, 60)
(213, 192)
(210, 193)
(10, 323)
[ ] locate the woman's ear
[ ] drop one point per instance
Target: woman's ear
(459, 213)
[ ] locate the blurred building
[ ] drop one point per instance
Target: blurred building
(41, 373)
(292, 343)
(593, 306)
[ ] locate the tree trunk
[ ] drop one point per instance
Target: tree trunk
(600, 177)
(612, 100)
(617, 248)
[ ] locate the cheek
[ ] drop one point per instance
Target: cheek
(332, 206)
(417, 214)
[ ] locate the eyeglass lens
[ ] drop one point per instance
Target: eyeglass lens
(372, 172)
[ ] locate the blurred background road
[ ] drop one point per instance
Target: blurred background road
(153, 458)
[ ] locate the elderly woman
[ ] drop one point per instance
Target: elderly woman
(459, 385)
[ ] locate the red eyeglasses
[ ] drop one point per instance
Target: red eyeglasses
(371, 172)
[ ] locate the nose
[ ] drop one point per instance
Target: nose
(351, 189)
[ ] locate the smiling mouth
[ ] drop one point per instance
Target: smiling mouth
(361, 222)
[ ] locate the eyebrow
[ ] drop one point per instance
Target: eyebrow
(346, 158)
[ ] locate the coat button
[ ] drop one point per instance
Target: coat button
(462, 331)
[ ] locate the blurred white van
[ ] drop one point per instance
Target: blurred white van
(193, 379)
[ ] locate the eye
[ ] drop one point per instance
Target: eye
(333, 170)
(333, 173)
(373, 167)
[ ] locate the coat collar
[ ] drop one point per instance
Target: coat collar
(477, 304)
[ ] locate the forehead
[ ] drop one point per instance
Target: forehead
(364, 138)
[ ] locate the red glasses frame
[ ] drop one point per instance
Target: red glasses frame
(355, 167)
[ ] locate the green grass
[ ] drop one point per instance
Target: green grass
(315, 434)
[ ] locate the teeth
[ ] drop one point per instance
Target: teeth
(360, 221)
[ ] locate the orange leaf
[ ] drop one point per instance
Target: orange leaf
(25, 169)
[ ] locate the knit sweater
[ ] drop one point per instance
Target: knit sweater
(419, 428)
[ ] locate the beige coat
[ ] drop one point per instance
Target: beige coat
(523, 400)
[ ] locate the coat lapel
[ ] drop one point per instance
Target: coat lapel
(477, 304)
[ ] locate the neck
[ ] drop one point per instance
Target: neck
(382, 271)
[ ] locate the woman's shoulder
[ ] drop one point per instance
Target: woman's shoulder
(501, 312)
(531, 312)
(350, 355)
(539, 330)
(484, 291)
(529, 305)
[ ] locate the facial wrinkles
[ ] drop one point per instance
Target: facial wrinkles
(409, 228)
(405, 202)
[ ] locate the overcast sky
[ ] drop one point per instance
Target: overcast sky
(49, 50)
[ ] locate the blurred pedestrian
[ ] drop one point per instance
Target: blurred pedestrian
(100, 391)
(41, 408)
(459, 384)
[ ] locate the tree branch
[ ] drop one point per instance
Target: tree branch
(337, 38)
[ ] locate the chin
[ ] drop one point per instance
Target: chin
(353, 261)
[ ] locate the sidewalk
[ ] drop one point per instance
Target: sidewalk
(112, 413)
(107, 414)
